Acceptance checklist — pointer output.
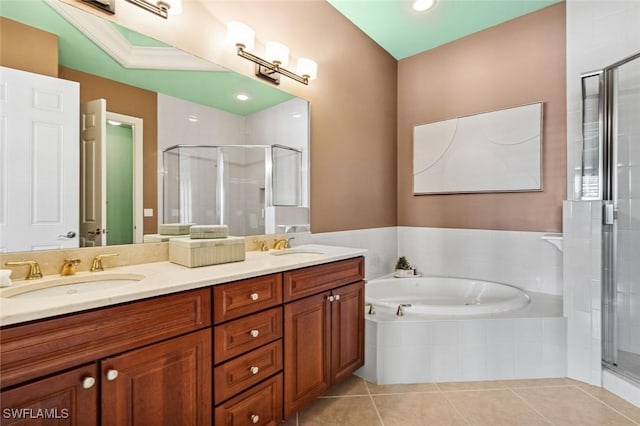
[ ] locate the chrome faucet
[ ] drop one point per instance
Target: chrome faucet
(96, 264)
(69, 266)
(34, 268)
(400, 311)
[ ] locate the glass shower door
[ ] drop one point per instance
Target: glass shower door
(621, 230)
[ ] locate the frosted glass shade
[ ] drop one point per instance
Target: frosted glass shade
(240, 33)
(277, 52)
(307, 67)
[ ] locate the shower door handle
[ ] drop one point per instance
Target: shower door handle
(610, 214)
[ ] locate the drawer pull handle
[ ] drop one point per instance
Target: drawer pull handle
(254, 370)
(255, 418)
(337, 297)
(112, 374)
(88, 382)
(254, 296)
(330, 298)
(254, 333)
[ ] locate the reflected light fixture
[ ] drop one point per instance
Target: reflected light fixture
(162, 8)
(277, 56)
(242, 97)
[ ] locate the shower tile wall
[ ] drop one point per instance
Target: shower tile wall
(599, 33)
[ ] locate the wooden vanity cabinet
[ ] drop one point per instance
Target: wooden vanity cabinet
(150, 363)
(323, 332)
(65, 398)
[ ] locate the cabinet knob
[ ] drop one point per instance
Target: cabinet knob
(330, 298)
(254, 333)
(254, 296)
(254, 370)
(255, 418)
(112, 374)
(337, 297)
(88, 382)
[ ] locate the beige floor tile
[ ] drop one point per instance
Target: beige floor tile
(291, 421)
(353, 385)
(571, 406)
(417, 409)
(462, 386)
(494, 407)
(530, 383)
(614, 401)
(403, 388)
(340, 411)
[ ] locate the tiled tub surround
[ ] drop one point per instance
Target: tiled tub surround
(525, 343)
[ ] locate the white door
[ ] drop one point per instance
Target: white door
(93, 158)
(38, 161)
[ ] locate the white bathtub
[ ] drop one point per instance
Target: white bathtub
(444, 296)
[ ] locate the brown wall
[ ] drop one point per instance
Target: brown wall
(29, 49)
(519, 62)
(128, 100)
(353, 101)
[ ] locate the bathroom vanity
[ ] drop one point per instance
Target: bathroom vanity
(221, 351)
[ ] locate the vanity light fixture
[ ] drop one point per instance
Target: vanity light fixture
(277, 56)
(162, 8)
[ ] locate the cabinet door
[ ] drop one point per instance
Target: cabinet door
(168, 383)
(307, 330)
(64, 399)
(347, 325)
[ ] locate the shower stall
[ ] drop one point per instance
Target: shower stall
(246, 187)
(611, 172)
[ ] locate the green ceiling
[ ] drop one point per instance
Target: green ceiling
(212, 88)
(402, 32)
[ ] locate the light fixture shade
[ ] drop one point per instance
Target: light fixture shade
(173, 7)
(241, 34)
(307, 67)
(277, 53)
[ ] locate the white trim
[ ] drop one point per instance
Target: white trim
(138, 211)
(621, 387)
(109, 39)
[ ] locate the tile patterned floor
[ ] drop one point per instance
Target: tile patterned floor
(356, 402)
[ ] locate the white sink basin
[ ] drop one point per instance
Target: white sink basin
(296, 250)
(77, 284)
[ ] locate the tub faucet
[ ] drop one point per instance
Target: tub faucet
(400, 311)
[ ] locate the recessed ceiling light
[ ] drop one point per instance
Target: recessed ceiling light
(242, 97)
(422, 5)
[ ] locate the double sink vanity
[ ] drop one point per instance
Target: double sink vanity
(241, 343)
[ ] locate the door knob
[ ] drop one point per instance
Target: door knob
(254, 370)
(69, 234)
(254, 296)
(255, 418)
(254, 333)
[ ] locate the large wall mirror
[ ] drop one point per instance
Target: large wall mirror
(163, 137)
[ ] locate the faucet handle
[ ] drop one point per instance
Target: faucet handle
(69, 266)
(262, 245)
(96, 264)
(34, 268)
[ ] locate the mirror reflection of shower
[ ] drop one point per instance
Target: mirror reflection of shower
(253, 189)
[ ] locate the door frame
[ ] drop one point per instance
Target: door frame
(136, 125)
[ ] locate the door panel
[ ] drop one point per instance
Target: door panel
(39, 146)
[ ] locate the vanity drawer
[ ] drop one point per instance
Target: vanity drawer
(244, 334)
(246, 297)
(261, 405)
(240, 373)
(316, 279)
(47, 346)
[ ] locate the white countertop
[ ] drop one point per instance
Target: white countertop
(161, 278)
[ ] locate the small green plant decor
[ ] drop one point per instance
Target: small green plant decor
(403, 267)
